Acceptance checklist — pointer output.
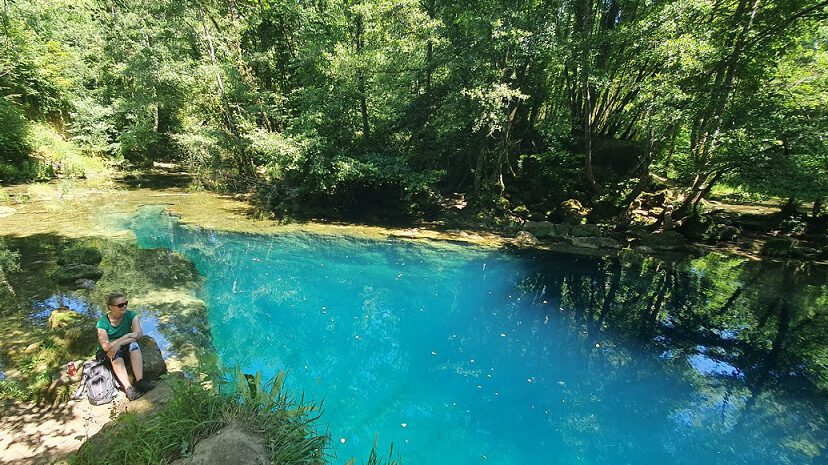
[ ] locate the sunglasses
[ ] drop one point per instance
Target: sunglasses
(122, 304)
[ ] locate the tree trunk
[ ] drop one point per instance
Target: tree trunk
(584, 20)
(817, 210)
(241, 164)
(429, 57)
(228, 115)
(709, 121)
(361, 85)
(481, 163)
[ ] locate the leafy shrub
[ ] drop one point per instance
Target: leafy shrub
(64, 157)
(301, 177)
(13, 134)
(91, 126)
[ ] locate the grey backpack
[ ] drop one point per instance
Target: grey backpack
(98, 382)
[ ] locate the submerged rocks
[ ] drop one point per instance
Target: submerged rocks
(83, 255)
(74, 272)
(79, 267)
(62, 317)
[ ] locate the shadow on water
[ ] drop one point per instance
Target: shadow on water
(157, 181)
(750, 338)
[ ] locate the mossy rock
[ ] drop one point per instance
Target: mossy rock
(665, 241)
(650, 200)
(82, 255)
(525, 238)
(596, 242)
(570, 212)
(521, 211)
(697, 227)
(725, 233)
(62, 317)
(586, 230)
(541, 228)
(70, 273)
(232, 444)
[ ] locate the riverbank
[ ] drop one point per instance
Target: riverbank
(750, 225)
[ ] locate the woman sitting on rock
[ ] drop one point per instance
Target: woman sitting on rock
(118, 333)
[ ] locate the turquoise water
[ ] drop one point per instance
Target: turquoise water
(458, 355)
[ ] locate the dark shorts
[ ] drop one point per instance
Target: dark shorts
(123, 353)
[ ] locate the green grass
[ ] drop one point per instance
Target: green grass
(63, 155)
(196, 412)
(731, 193)
(49, 155)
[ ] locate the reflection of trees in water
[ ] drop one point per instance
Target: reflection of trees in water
(759, 329)
(158, 282)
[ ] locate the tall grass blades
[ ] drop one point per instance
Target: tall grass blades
(196, 412)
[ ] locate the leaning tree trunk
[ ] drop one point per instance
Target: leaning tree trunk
(242, 167)
(361, 85)
(584, 21)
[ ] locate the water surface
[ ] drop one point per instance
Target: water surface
(460, 355)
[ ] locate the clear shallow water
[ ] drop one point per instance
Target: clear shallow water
(458, 355)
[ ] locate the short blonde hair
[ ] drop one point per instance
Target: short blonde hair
(112, 297)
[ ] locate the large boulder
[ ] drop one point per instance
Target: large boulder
(154, 364)
(666, 241)
(596, 242)
(231, 445)
(525, 239)
(586, 230)
(73, 272)
(541, 229)
(570, 212)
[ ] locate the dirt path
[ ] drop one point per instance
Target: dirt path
(43, 435)
(34, 435)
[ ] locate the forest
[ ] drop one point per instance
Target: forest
(361, 109)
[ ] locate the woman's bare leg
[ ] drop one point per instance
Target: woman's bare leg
(121, 372)
(137, 361)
